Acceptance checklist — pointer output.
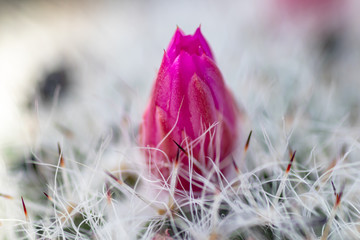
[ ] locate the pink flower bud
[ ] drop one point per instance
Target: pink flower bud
(189, 105)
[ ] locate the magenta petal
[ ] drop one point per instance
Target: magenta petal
(201, 105)
(173, 48)
(203, 43)
(180, 72)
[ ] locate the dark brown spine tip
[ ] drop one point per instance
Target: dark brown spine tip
(24, 207)
(59, 148)
(339, 196)
(235, 166)
(338, 199)
(291, 162)
(48, 197)
(113, 177)
(248, 141)
(183, 150)
(177, 157)
(334, 189)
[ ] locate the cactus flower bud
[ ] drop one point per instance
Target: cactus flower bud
(190, 106)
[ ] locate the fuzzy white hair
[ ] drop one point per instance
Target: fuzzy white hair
(299, 90)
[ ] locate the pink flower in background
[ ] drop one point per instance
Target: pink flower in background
(189, 96)
(318, 15)
(307, 6)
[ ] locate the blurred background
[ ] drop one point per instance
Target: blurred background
(89, 59)
(73, 71)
